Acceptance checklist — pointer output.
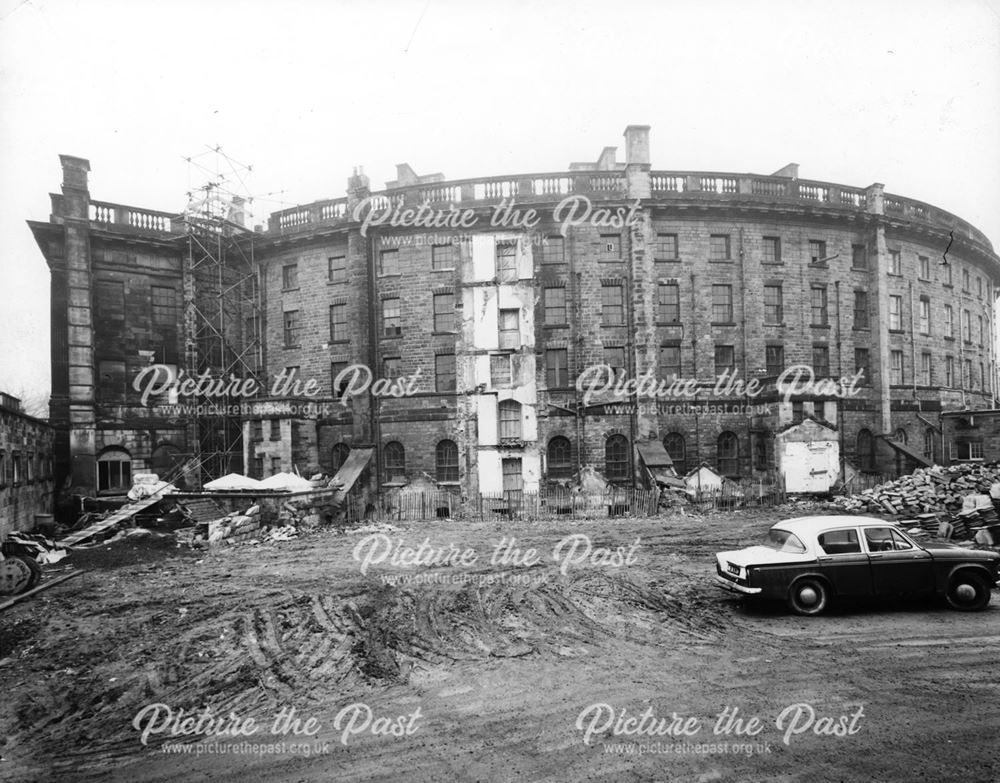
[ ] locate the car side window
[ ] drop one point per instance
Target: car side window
(839, 542)
(899, 542)
(879, 539)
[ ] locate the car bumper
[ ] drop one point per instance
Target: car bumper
(733, 587)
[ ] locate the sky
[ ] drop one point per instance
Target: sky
(902, 92)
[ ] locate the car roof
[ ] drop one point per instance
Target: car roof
(804, 525)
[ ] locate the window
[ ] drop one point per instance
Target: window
(388, 262)
(966, 326)
(275, 466)
(670, 361)
(896, 367)
(111, 380)
(965, 280)
(444, 372)
(556, 368)
(798, 411)
(967, 450)
(982, 330)
(109, 304)
(338, 389)
(722, 304)
(614, 357)
(509, 330)
(925, 369)
(446, 461)
(817, 299)
(817, 251)
(500, 370)
(861, 310)
(275, 429)
(924, 264)
(612, 305)
(925, 315)
(442, 257)
(947, 274)
(895, 263)
(509, 420)
(840, 542)
(949, 321)
(513, 483)
(967, 374)
(164, 301)
(506, 262)
(772, 250)
(863, 365)
(258, 468)
(979, 286)
(774, 308)
(616, 458)
(949, 371)
(257, 431)
(338, 456)
(821, 361)
(774, 360)
(394, 459)
(392, 367)
(929, 443)
(859, 257)
(665, 248)
(611, 247)
(554, 250)
(718, 247)
(669, 303)
(338, 323)
(289, 277)
(760, 452)
(895, 312)
(984, 377)
(390, 317)
(555, 306)
(292, 329)
(444, 312)
(725, 359)
(336, 269)
(728, 454)
(559, 458)
(677, 451)
(114, 470)
(866, 451)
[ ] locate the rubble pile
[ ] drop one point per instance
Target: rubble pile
(959, 501)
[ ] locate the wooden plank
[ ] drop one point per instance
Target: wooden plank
(116, 517)
(44, 586)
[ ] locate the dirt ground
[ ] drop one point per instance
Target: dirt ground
(484, 671)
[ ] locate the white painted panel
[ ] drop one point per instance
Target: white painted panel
(490, 472)
(486, 419)
(483, 258)
(531, 471)
(485, 328)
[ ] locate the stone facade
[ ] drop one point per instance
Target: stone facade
(26, 467)
(477, 324)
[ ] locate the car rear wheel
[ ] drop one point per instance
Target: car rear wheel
(808, 597)
(967, 592)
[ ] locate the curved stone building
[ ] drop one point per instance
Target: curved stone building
(488, 316)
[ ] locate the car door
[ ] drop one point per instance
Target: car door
(841, 559)
(899, 567)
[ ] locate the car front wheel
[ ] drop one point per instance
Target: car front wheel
(808, 596)
(967, 592)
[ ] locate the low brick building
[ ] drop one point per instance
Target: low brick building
(465, 319)
(27, 485)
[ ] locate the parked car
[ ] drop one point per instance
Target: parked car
(810, 561)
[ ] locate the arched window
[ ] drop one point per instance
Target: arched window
(395, 462)
(728, 454)
(338, 455)
(677, 451)
(446, 461)
(114, 470)
(616, 458)
(866, 451)
(929, 443)
(900, 436)
(760, 452)
(510, 420)
(560, 458)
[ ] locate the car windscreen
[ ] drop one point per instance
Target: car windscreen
(783, 541)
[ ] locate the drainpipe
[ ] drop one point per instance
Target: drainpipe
(630, 360)
(840, 374)
(374, 423)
